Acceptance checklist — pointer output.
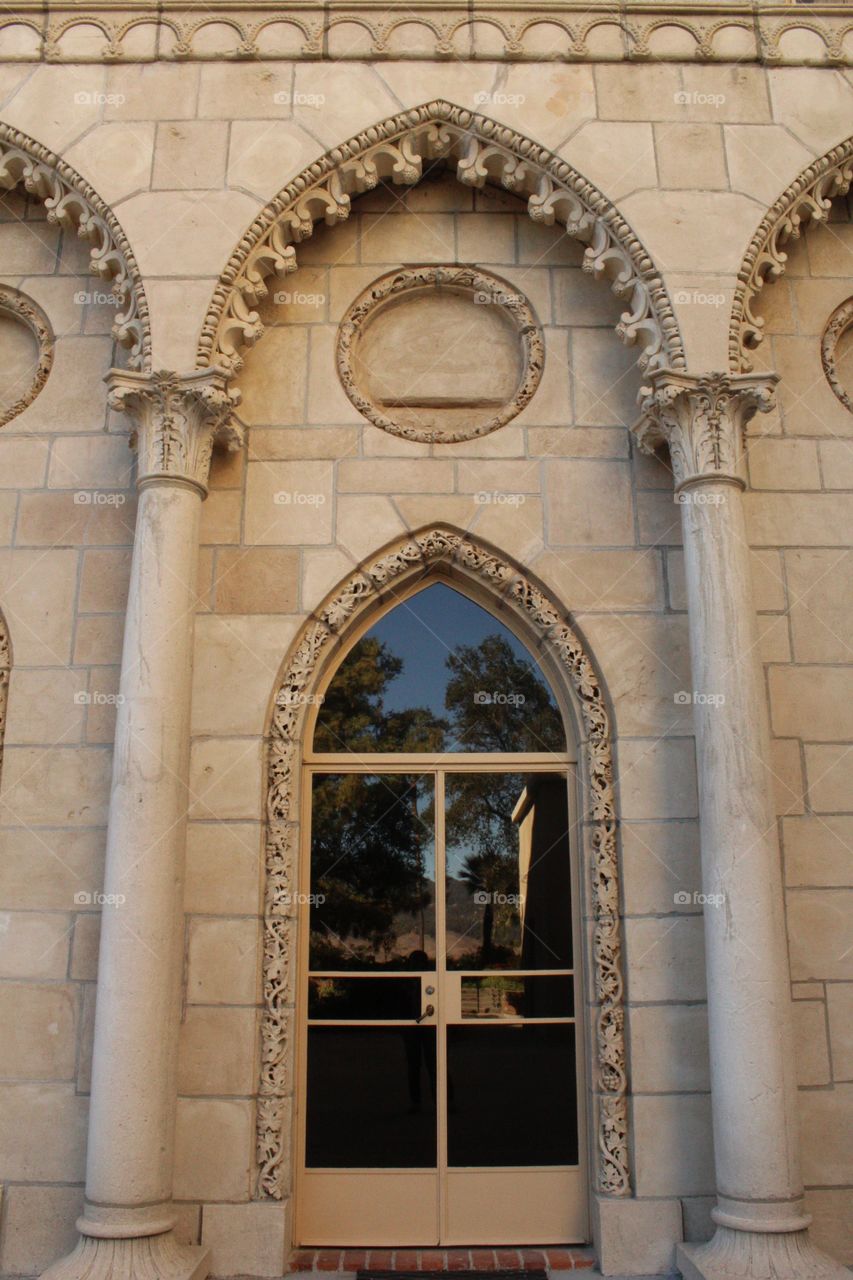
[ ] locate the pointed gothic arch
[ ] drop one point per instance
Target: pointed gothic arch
(74, 205)
(443, 551)
(806, 200)
(483, 151)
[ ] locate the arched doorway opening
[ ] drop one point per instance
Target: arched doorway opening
(439, 1095)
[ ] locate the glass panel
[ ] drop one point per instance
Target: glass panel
(372, 872)
(511, 1095)
(358, 999)
(371, 1098)
(508, 871)
(439, 673)
(516, 997)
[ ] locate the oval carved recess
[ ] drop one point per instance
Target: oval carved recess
(440, 353)
(23, 311)
(839, 334)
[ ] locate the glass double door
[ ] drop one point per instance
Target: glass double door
(438, 1094)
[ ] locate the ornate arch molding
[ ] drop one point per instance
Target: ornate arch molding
(808, 199)
(434, 549)
(5, 670)
(483, 151)
(72, 203)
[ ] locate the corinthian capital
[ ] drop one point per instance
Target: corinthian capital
(702, 419)
(177, 421)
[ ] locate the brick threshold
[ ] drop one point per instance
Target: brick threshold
(547, 1258)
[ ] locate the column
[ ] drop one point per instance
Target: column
(126, 1225)
(761, 1224)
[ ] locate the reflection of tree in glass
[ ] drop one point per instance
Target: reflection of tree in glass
(353, 715)
(368, 862)
(479, 805)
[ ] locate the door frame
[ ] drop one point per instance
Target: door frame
(439, 765)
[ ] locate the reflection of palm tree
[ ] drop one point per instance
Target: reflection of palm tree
(490, 874)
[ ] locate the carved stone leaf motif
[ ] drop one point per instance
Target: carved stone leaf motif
(839, 323)
(484, 151)
(72, 204)
(430, 549)
(806, 200)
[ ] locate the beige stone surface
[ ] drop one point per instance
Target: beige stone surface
(783, 464)
(665, 958)
(645, 663)
(289, 503)
(617, 157)
(225, 778)
(189, 154)
(43, 869)
(85, 945)
(691, 155)
(195, 230)
(45, 707)
(589, 503)
(224, 868)
(832, 1224)
(660, 860)
(820, 584)
(810, 1039)
(42, 1133)
(826, 1151)
(811, 107)
(674, 1145)
(115, 158)
(40, 1024)
(657, 779)
(603, 579)
(235, 668)
(256, 580)
(217, 1051)
(829, 770)
(224, 961)
(839, 1008)
(213, 1143)
(819, 927)
(39, 1226)
(827, 693)
(247, 1238)
(151, 91)
(65, 785)
(669, 1049)
(817, 850)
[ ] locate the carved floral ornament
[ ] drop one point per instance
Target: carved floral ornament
(481, 150)
(73, 205)
(176, 422)
(839, 324)
(459, 415)
(313, 649)
(5, 669)
(702, 420)
(807, 200)
(25, 311)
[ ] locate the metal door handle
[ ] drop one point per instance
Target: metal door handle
(427, 1013)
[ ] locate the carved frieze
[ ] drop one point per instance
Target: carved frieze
(702, 420)
(440, 353)
(479, 150)
(413, 556)
(177, 421)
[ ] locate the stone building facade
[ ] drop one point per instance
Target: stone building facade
(639, 458)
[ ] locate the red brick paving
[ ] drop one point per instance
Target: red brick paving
(560, 1258)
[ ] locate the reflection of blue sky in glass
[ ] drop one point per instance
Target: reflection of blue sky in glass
(423, 630)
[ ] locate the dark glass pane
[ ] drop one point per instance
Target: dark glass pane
(357, 999)
(372, 872)
(508, 871)
(512, 1096)
(371, 1098)
(515, 997)
(439, 673)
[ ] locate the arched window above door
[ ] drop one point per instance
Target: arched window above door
(439, 673)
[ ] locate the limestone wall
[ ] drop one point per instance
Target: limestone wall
(186, 156)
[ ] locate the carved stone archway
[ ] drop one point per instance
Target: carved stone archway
(442, 549)
(72, 204)
(483, 151)
(808, 199)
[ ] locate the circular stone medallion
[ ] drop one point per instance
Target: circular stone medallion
(26, 352)
(440, 353)
(836, 351)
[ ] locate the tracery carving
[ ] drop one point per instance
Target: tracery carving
(414, 556)
(467, 280)
(23, 309)
(73, 205)
(839, 323)
(177, 422)
(703, 421)
(805, 201)
(482, 151)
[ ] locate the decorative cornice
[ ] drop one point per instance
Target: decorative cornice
(314, 647)
(73, 205)
(808, 199)
(839, 323)
(177, 421)
(480, 286)
(734, 31)
(482, 151)
(702, 420)
(23, 309)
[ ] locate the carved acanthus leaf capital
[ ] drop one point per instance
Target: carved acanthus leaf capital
(177, 421)
(702, 420)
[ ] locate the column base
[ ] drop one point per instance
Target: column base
(757, 1255)
(140, 1258)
